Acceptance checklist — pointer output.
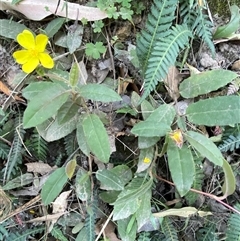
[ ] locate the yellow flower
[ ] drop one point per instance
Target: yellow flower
(177, 137)
(146, 160)
(33, 52)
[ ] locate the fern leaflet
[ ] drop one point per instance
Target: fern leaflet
(230, 144)
(158, 23)
(233, 230)
(207, 233)
(15, 154)
(169, 230)
(163, 56)
(4, 150)
(90, 223)
(17, 236)
(57, 233)
(38, 146)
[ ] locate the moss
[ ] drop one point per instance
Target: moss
(222, 7)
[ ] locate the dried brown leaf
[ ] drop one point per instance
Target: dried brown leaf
(172, 81)
(39, 167)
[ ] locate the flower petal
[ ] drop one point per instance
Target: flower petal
(26, 39)
(30, 65)
(21, 56)
(41, 42)
(46, 60)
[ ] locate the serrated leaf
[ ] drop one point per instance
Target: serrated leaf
(162, 118)
(205, 147)
(83, 185)
(10, 29)
(53, 130)
(232, 26)
(222, 110)
(54, 185)
(99, 92)
(203, 83)
(229, 185)
(96, 137)
(40, 109)
(74, 38)
(181, 165)
(70, 168)
(54, 26)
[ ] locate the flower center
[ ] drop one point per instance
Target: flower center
(34, 53)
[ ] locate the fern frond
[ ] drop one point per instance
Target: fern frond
(38, 146)
(230, 144)
(144, 236)
(163, 56)
(191, 197)
(158, 23)
(233, 229)
(15, 154)
(4, 150)
(90, 222)
(207, 233)
(57, 233)
(169, 230)
(19, 236)
(3, 232)
(203, 29)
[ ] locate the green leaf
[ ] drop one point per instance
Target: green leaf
(122, 229)
(70, 168)
(99, 92)
(20, 181)
(94, 50)
(222, 110)
(205, 147)
(181, 165)
(229, 184)
(54, 130)
(81, 138)
(145, 158)
(10, 29)
(144, 212)
(146, 142)
(41, 108)
(74, 75)
(230, 28)
(67, 111)
(203, 83)
(157, 124)
(74, 39)
(54, 185)
(114, 179)
(53, 27)
(109, 196)
(130, 198)
(96, 136)
(83, 185)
